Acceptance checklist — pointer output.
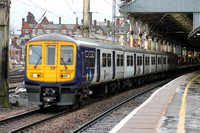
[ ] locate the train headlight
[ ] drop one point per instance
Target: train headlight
(67, 76)
(34, 75)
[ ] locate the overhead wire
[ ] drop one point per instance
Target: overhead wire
(48, 11)
(74, 6)
(108, 3)
(53, 13)
(71, 8)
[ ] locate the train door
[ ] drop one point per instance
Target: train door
(83, 66)
(98, 65)
(113, 65)
(50, 67)
(143, 64)
(87, 66)
(156, 63)
(135, 64)
(161, 63)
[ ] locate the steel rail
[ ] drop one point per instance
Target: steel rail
(20, 129)
(19, 115)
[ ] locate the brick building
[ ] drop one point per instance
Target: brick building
(32, 28)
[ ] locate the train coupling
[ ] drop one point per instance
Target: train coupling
(50, 95)
(49, 99)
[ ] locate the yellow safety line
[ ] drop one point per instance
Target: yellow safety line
(181, 123)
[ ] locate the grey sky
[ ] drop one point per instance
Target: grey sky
(67, 9)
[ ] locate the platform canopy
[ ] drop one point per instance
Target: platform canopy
(172, 19)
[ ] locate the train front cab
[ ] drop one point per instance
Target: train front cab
(50, 68)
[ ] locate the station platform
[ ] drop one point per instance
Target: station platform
(175, 107)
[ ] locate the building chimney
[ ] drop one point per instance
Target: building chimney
(95, 23)
(59, 20)
(108, 24)
(76, 20)
(22, 22)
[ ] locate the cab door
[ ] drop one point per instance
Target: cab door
(50, 67)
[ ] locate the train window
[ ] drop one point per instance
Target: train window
(131, 60)
(146, 60)
(109, 59)
(140, 60)
(35, 54)
(104, 59)
(152, 60)
(128, 60)
(159, 60)
(169, 60)
(92, 59)
(122, 60)
(86, 59)
(51, 55)
(164, 60)
(118, 59)
(66, 57)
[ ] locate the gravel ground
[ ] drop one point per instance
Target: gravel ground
(18, 101)
(75, 119)
(72, 120)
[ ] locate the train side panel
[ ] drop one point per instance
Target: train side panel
(119, 69)
(139, 64)
(106, 65)
(87, 64)
(147, 64)
(129, 69)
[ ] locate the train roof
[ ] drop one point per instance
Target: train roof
(98, 44)
(53, 37)
(156, 52)
(93, 43)
(78, 41)
(133, 49)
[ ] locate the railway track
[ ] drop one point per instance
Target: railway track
(108, 119)
(21, 122)
(16, 76)
(6, 124)
(49, 115)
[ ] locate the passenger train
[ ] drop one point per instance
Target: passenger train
(60, 70)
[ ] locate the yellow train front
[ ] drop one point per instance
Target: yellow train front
(50, 65)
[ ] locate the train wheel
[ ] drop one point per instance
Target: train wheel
(79, 104)
(41, 106)
(79, 99)
(70, 106)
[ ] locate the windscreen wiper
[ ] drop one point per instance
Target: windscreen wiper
(64, 63)
(37, 62)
